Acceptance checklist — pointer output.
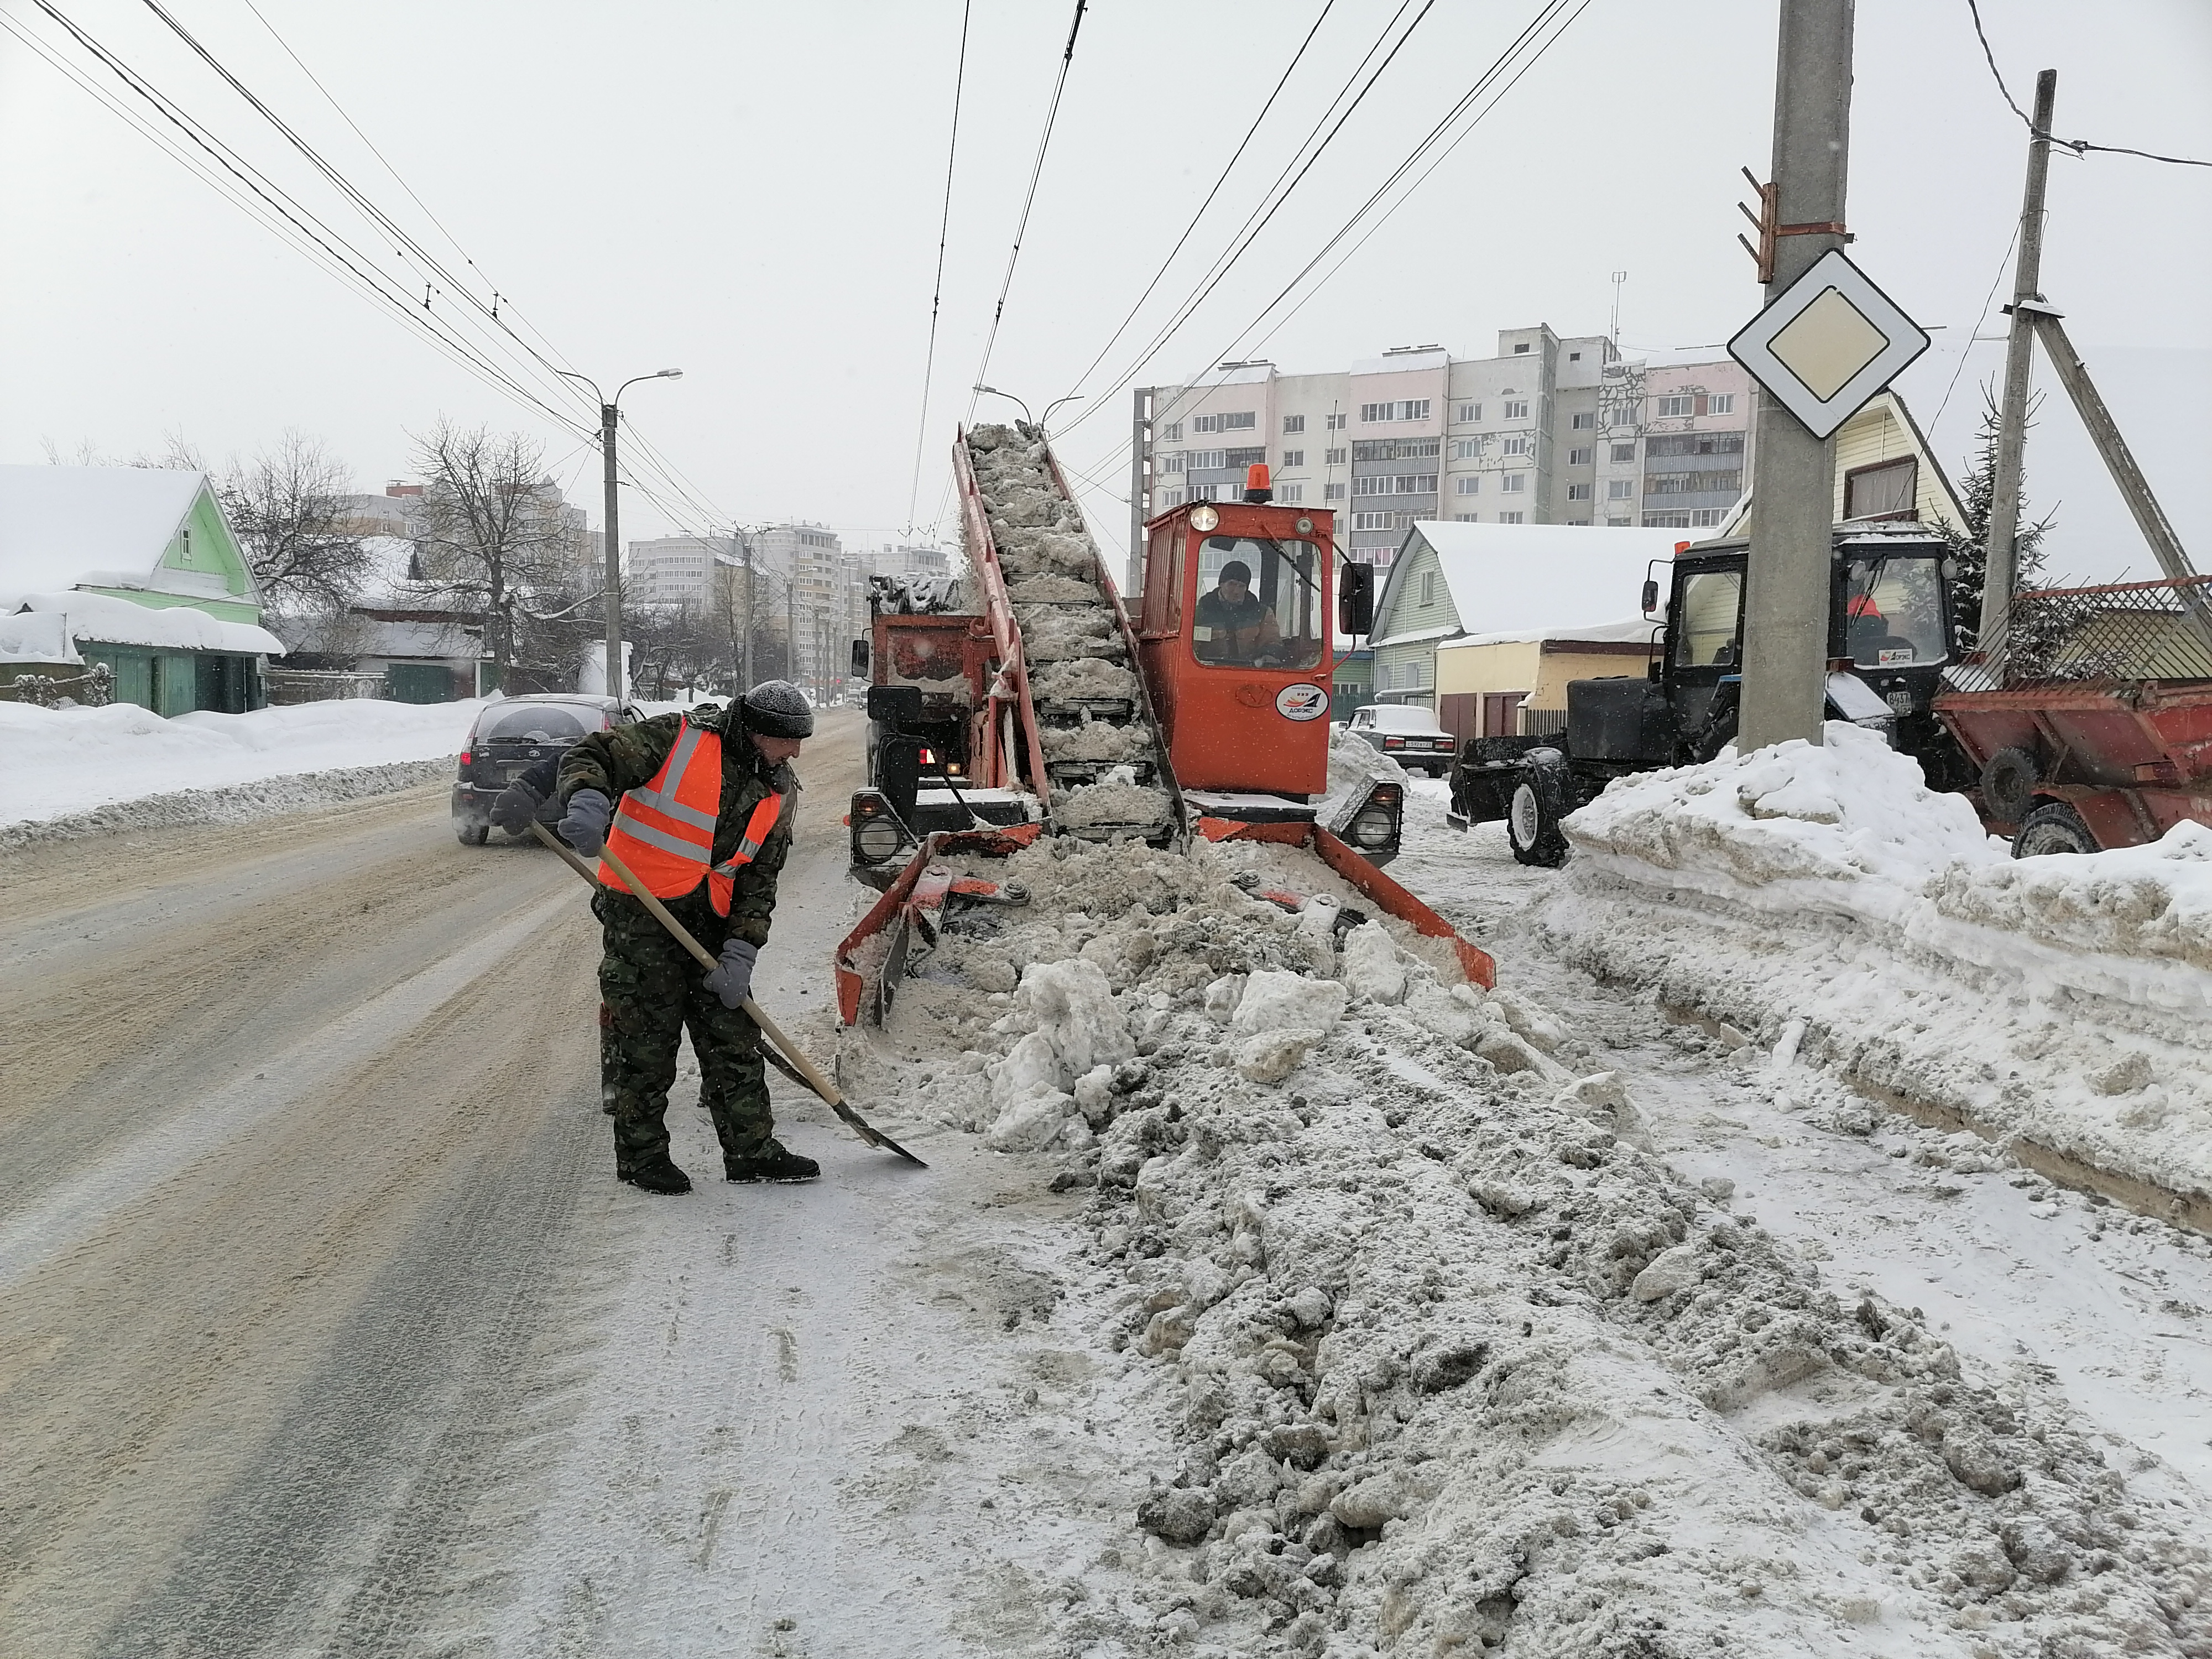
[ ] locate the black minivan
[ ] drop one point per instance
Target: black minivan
(514, 734)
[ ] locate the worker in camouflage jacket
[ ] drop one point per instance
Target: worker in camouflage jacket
(699, 806)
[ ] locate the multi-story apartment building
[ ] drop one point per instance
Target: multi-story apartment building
(908, 559)
(670, 570)
(1548, 431)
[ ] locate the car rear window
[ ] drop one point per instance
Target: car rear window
(538, 722)
(1395, 717)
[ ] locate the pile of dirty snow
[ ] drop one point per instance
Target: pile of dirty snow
(1827, 889)
(83, 762)
(1355, 767)
(1455, 1363)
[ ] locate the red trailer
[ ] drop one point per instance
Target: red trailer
(2090, 715)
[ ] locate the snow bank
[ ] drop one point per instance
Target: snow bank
(1454, 1362)
(67, 761)
(177, 627)
(2061, 999)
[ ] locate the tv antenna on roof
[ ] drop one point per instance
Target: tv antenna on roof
(1618, 277)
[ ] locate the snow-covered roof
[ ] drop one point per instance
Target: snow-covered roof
(415, 639)
(67, 527)
(1629, 630)
(1400, 362)
(30, 636)
(1517, 577)
(104, 618)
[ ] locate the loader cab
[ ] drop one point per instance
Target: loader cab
(1235, 630)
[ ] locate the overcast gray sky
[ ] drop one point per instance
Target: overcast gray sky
(751, 191)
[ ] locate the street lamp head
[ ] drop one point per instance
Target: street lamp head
(669, 375)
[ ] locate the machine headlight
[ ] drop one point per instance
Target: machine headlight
(876, 840)
(1204, 519)
(1372, 827)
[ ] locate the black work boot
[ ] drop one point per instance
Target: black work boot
(654, 1172)
(771, 1162)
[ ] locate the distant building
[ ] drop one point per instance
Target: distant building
(135, 567)
(907, 559)
(670, 570)
(1547, 431)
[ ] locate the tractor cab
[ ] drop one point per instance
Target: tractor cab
(1234, 631)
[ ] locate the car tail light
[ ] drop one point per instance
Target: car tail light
(929, 757)
(1393, 742)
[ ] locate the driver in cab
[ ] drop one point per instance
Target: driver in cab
(1241, 629)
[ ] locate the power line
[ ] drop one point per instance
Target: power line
(1029, 201)
(1228, 166)
(1270, 204)
(1966, 350)
(937, 292)
(2079, 146)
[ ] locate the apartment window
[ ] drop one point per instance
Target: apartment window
(1410, 409)
(1173, 497)
(1200, 459)
(1469, 485)
(1470, 412)
(1332, 458)
(1677, 405)
(1294, 423)
(1370, 521)
(1169, 465)
(1242, 421)
(1704, 518)
(1377, 484)
(1290, 495)
(1332, 492)
(1336, 422)
(1665, 521)
(1465, 518)
(1617, 415)
(1618, 524)
(1578, 492)
(1513, 483)
(1245, 457)
(1521, 349)
(1517, 408)
(1694, 443)
(1694, 484)
(1619, 490)
(1720, 402)
(1467, 449)
(1574, 356)
(1514, 443)
(1293, 457)
(1624, 452)
(1584, 421)
(1172, 432)
(1511, 518)
(1580, 457)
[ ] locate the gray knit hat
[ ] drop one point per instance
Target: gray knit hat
(777, 709)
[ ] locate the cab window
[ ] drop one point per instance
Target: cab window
(1259, 604)
(1894, 611)
(1705, 627)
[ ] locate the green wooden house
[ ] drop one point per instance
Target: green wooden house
(135, 567)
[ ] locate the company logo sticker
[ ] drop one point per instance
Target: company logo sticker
(1301, 703)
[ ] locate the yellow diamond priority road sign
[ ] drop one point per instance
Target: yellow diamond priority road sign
(1828, 343)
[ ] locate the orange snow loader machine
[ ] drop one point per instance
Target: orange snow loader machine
(988, 730)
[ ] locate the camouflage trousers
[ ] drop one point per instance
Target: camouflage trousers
(651, 992)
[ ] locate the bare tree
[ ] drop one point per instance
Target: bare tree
(497, 536)
(289, 507)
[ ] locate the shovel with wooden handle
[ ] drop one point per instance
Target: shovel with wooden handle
(792, 1060)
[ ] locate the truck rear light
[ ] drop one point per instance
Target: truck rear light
(1374, 826)
(876, 833)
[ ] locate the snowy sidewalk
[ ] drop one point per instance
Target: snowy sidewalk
(59, 762)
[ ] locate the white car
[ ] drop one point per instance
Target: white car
(1407, 734)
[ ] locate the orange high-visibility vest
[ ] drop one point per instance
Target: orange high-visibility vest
(664, 831)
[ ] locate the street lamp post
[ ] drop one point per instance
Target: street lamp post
(993, 392)
(617, 681)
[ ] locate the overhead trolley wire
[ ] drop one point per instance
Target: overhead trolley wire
(1228, 166)
(1262, 216)
(936, 291)
(1029, 201)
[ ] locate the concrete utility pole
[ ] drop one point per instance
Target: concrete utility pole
(1999, 570)
(617, 682)
(1786, 622)
(791, 623)
(746, 649)
(1140, 460)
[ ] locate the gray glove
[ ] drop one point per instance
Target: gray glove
(516, 808)
(584, 826)
(733, 980)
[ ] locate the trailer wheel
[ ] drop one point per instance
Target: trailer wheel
(1531, 819)
(2008, 785)
(2053, 827)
